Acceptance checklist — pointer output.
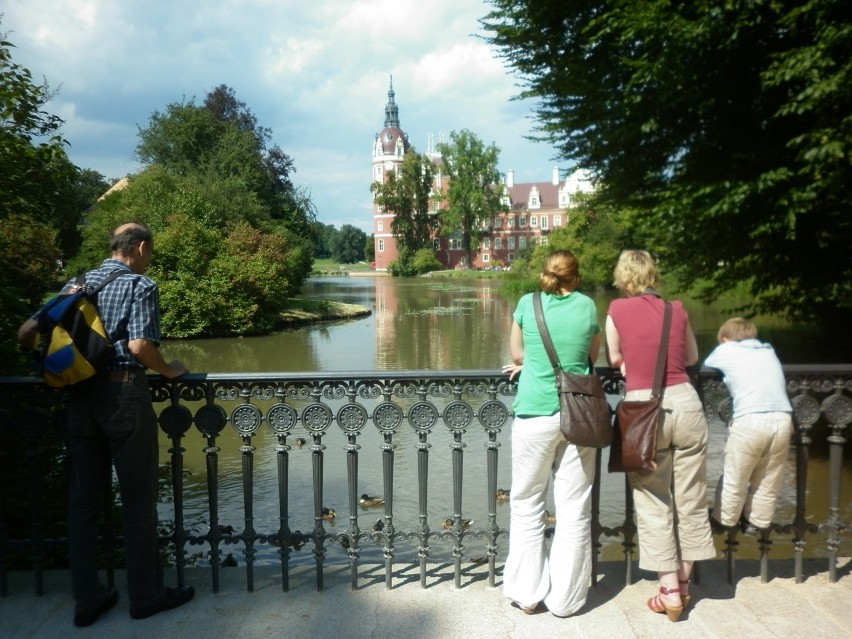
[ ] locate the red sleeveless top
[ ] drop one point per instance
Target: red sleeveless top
(639, 321)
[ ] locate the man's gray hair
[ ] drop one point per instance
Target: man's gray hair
(130, 236)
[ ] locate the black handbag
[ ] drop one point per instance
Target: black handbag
(584, 415)
(634, 443)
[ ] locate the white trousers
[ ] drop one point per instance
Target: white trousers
(755, 459)
(561, 579)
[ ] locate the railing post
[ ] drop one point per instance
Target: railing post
(838, 412)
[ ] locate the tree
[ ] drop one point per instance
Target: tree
(725, 127)
(595, 234)
(42, 197)
(370, 248)
(474, 191)
(233, 237)
(347, 247)
(222, 140)
(407, 192)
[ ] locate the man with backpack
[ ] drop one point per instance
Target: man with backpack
(112, 421)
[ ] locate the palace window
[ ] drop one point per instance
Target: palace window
(522, 242)
(486, 244)
(511, 243)
(378, 174)
(498, 222)
(543, 222)
(534, 200)
(511, 221)
(381, 225)
(511, 257)
(455, 243)
(498, 243)
(485, 257)
(557, 220)
(522, 221)
(381, 246)
(534, 220)
(543, 240)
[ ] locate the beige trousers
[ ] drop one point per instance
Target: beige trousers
(671, 503)
(755, 460)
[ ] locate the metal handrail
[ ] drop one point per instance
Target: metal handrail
(272, 409)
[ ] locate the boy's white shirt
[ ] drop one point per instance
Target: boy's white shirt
(753, 375)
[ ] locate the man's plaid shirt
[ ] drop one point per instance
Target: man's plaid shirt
(129, 307)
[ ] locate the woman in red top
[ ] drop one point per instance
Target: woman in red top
(671, 508)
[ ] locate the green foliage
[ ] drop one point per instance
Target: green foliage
(407, 193)
(347, 246)
(425, 262)
(724, 128)
(215, 282)
(42, 195)
(410, 264)
(474, 190)
(232, 237)
(324, 234)
(370, 248)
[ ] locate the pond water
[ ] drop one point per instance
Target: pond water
(417, 324)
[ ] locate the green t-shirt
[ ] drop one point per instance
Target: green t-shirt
(572, 322)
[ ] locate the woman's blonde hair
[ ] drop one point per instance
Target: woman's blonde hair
(737, 329)
(561, 271)
(635, 272)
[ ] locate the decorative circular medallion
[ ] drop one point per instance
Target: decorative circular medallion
(387, 417)
(423, 416)
(806, 410)
(210, 419)
(246, 418)
(837, 409)
(726, 410)
(316, 417)
(282, 418)
(493, 414)
(175, 420)
(351, 418)
(458, 415)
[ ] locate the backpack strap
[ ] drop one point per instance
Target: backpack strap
(81, 281)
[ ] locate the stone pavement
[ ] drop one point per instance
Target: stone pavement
(780, 608)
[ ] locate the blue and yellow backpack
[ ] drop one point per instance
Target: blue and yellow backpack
(72, 343)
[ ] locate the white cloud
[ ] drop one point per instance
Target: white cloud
(316, 73)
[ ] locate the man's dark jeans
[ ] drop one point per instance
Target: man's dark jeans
(113, 421)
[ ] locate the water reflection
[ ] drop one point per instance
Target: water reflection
(425, 324)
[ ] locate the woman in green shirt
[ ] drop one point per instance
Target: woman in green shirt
(531, 577)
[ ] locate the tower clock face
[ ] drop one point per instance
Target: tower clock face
(389, 136)
(388, 166)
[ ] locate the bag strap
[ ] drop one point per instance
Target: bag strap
(81, 281)
(657, 391)
(546, 340)
(545, 334)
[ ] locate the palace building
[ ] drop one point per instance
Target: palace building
(533, 209)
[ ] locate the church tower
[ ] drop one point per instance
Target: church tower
(389, 147)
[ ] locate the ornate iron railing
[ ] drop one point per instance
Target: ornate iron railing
(273, 411)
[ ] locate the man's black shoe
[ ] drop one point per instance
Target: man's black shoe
(83, 619)
(171, 598)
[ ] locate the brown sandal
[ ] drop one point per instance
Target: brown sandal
(657, 604)
(684, 598)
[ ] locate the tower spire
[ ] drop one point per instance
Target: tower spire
(391, 109)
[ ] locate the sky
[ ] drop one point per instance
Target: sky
(314, 72)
